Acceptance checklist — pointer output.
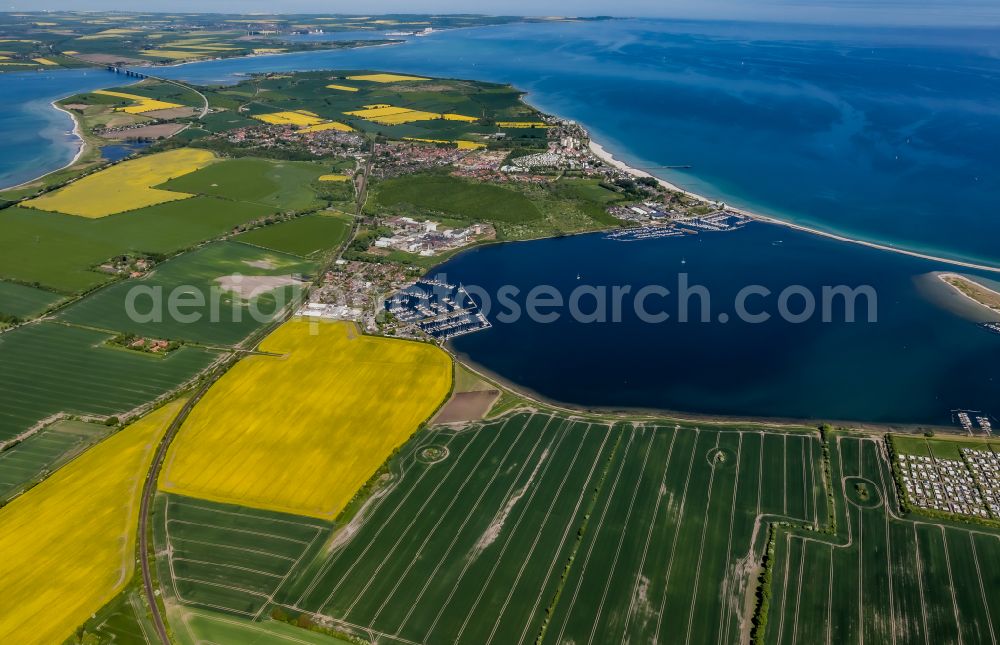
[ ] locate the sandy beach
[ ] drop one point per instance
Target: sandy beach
(609, 159)
(981, 289)
(82, 147)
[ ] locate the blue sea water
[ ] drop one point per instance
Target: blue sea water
(885, 135)
(37, 138)
(890, 135)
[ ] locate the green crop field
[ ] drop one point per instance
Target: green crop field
(883, 579)
(123, 621)
(23, 301)
(456, 197)
(538, 528)
(230, 558)
(61, 251)
(44, 452)
(49, 368)
(939, 448)
(666, 516)
(283, 185)
(197, 627)
(675, 532)
(302, 236)
(221, 318)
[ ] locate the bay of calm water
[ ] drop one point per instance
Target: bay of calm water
(885, 135)
(922, 358)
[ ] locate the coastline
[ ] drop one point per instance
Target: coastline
(81, 148)
(944, 277)
(600, 152)
(78, 133)
(272, 55)
(685, 417)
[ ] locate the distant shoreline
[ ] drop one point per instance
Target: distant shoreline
(600, 152)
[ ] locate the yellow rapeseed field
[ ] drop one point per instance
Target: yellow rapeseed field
(522, 124)
(298, 118)
(334, 178)
(332, 125)
(386, 78)
(391, 115)
(44, 61)
(386, 114)
(125, 186)
(140, 103)
(343, 88)
(426, 140)
(302, 433)
(68, 544)
(458, 117)
(461, 144)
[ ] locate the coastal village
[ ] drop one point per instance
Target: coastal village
(383, 293)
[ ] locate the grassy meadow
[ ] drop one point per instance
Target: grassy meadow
(61, 251)
(457, 198)
(283, 185)
(303, 236)
(219, 316)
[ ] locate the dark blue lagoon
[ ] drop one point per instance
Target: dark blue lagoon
(923, 357)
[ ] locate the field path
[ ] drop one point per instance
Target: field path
(149, 489)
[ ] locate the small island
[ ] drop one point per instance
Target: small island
(978, 293)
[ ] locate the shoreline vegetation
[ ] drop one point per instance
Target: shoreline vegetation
(527, 397)
(972, 290)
